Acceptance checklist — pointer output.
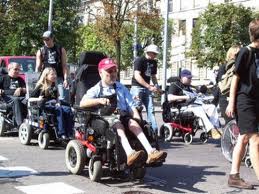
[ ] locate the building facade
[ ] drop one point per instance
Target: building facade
(184, 14)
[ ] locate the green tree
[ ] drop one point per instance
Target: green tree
(26, 20)
(216, 30)
(113, 18)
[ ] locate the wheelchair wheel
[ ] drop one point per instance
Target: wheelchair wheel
(166, 132)
(75, 157)
(95, 170)
(229, 139)
(139, 173)
(187, 138)
(25, 133)
(2, 125)
(204, 137)
(43, 140)
(248, 162)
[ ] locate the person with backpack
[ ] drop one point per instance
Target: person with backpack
(54, 55)
(243, 104)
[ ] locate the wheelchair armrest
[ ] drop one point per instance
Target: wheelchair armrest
(85, 110)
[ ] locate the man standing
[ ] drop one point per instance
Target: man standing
(145, 69)
(12, 91)
(53, 55)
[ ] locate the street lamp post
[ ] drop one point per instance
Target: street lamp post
(165, 49)
(50, 15)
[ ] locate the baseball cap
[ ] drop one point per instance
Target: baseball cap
(47, 34)
(186, 73)
(106, 63)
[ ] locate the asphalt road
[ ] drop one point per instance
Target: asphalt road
(195, 168)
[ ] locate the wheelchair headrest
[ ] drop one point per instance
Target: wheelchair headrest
(173, 79)
(91, 57)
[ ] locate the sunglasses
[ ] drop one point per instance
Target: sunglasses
(110, 71)
(46, 39)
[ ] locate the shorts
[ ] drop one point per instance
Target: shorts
(247, 114)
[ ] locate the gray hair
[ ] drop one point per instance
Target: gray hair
(13, 64)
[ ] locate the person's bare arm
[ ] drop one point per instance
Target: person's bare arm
(91, 102)
(141, 81)
(173, 98)
(230, 110)
(38, 61)
(64, 67)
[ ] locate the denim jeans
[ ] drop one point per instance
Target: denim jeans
(63, 92)
(64, 118)
(145, 98)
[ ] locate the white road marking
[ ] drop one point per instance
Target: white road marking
(50, 188)
(2, 158)
(16, 171)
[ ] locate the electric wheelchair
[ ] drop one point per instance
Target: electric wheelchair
(41, 122)
(96, 144)
(7, 120)
(179, 122)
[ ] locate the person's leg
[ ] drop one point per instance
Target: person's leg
(137, 93)
(148, 103)
(153, 154)
(68, 120)
(234, 179)
(132, 155)
(211, 111)
(18, 111)
(63, 92)
(60, 119)
(254, 152)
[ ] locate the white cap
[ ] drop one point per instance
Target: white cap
(152, 48)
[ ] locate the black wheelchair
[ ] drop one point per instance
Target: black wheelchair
(40, 123)
(96, 144)
(7, 118)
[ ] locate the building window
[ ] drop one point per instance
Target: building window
(170, 6)
(227, 1)
(182, 27)
(194, 21)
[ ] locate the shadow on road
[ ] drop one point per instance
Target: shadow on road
(178, 179)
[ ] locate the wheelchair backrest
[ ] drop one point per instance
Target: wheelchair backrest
(87, 74)
(30, 81)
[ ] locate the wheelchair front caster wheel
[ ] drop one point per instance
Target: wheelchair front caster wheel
(166, 133)
(248, 162)
(43, 140)
(139, 173)
(187, 138)
(95, 170)
(204, 137)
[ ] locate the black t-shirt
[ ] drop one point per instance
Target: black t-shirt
(50, 94)
(249, 80)
(10, 84)
(147, 67)
(51, 57)
(176, 88)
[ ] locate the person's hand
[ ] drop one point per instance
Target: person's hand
(230, 110)
(41, 98)
(18, 92)
(104, 101)
(1, 92)
(65, 83)
(152, 88)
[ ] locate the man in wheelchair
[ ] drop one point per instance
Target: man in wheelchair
(180, 91)
(110, 93)
(12, 92)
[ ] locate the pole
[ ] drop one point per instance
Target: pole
(165, 49)
(135, 42)
(50, 15)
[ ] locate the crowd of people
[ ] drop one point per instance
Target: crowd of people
(241, 103)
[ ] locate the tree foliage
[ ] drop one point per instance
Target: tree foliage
(24, 21)
(216, 30)
(115, 17)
